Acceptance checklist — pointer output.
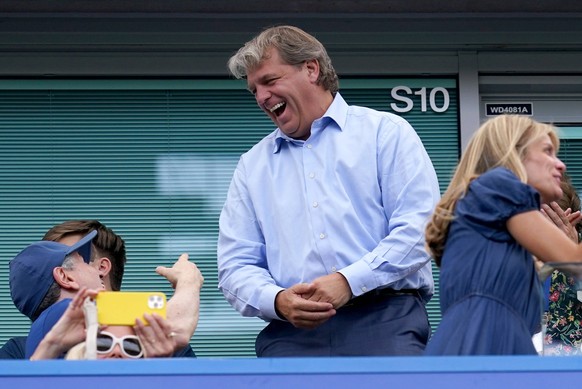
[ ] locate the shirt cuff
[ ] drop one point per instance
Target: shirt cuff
(267, 302)
(360, 276)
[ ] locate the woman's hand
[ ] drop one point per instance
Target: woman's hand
(68, 331)
(565, 220)
(157, 338)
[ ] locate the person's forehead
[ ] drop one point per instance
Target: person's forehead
(543, 140)
(270, 66)
(120, 330)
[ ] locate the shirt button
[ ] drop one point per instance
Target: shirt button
(322, 236)
(311, 175)
(315, 204)
(309, 146)
(333, 268)
(364, 289)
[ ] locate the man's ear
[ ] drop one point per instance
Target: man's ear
(103, 265)
(312, 66)
(64, 279)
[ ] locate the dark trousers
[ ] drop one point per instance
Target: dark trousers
(386, 325)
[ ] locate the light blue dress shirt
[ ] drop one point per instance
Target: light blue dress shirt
(355, 198)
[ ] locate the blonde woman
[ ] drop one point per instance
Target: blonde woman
(483, 234)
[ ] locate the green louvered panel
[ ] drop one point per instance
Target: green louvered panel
(571, 154)
(154, 164)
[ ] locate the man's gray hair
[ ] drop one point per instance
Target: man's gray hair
(69, 262)
(294, 45)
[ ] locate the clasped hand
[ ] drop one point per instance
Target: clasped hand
(310, 305)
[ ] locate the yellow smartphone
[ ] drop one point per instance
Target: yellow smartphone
(122, 308)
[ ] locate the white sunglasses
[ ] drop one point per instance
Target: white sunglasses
(130, 345)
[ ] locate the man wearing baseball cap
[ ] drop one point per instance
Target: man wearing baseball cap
(43, 279)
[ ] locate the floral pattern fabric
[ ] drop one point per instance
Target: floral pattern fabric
(564, 317)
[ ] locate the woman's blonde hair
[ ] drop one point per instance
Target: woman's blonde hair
(501, 141)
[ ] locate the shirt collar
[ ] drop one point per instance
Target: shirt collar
(337, 111)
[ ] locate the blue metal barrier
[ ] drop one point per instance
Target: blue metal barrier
(396, 372)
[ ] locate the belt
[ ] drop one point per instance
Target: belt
(378, 295)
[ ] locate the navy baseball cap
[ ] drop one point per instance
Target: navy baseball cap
(31, 271)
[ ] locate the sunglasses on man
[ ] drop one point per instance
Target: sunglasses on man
(130, 344)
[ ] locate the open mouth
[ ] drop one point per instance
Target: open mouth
(278, 109)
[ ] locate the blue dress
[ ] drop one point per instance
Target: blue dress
(490, 296)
